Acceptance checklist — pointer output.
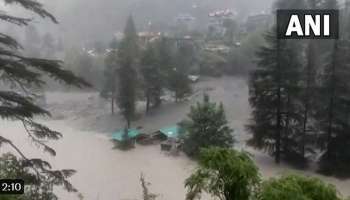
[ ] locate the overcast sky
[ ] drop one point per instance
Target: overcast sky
(82, 20)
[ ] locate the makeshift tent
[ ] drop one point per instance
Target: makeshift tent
(118, 135)
(170, 132)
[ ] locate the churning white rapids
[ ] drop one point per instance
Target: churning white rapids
(104, 173)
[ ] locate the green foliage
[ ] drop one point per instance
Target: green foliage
(274, 95)
(294, 187)
(22, 73)
(127, 75)
(238, 63)
(178, 81)
(229, 175)
(154, 75)
(333, 112)
(211, 63)
(87, 66)
(37, 186)
(225, 174)
(128, 48)
(206, 127)
(300, 108)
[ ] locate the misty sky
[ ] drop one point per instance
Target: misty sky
(86, 20)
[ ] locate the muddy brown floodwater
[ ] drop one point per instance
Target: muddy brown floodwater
(104, 173)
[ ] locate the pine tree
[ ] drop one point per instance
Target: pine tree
(22, 73)
(127, 74)
(292, 116)
(206, 127)
(333, 111)
(153, 75)
(178, 79)
(274, 89)
(308, 91)
(167, 59)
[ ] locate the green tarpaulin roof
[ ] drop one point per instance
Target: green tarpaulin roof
(118, 135)
(171, 131)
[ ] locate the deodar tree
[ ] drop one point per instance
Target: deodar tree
(21, 73)
(274, 96)
(153, 75)
(178, 80)
(333, 111)
(127, 74)
(206, 127)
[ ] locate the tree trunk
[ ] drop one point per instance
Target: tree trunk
(176, 96)
(157, 100)
(286, 143)
(128, 122)
(303, 139)
(112, 104)
(147, 101)
(307, 96)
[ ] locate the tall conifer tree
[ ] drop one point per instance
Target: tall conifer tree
(153, 75)
(127, 81)
(274, 89)
(334, 109)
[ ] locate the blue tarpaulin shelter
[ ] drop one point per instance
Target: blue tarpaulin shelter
(118, 135)
(171, 131)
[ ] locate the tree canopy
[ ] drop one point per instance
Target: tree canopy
(206, 126)
(295, 187)
(225, 174)
(22, 73)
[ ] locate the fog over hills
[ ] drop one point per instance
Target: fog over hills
(86, 19)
